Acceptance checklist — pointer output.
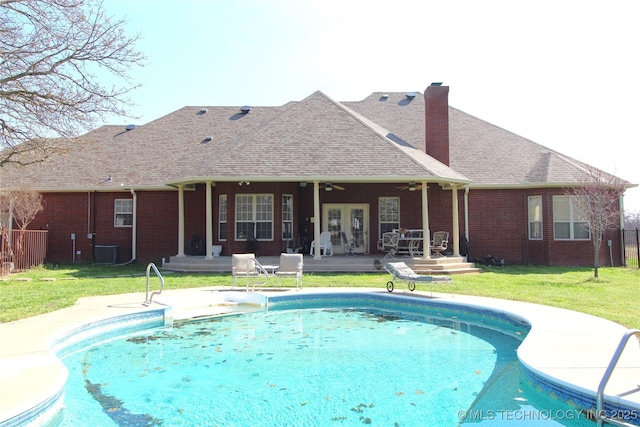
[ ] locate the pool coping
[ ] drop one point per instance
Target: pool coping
(565, 353)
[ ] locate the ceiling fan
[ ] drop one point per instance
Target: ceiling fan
(412, 186)
(330, 187)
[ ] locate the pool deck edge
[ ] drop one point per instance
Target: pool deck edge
(568, 348)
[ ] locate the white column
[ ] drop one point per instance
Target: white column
(209, 225)
(180, 220)
(316, 220)
(456, 225)
(426, 233)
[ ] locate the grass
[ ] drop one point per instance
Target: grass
(613, 295)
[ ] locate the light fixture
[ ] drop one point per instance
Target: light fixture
(241, 183)
(328, 187)
(412, 186)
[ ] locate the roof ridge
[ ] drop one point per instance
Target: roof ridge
(393, 142)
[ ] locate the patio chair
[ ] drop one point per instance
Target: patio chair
(326, 248)
(291, 265)
(348, 247)
(439, 243)
(247, 266)
(390, 242)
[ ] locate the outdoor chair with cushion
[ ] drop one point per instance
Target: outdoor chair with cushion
(439, 243)
(346, 245)
(291, 265)
(389, 243)
(246, 266)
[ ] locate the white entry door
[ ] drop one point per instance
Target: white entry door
(353, 220)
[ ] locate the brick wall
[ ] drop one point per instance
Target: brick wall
(498, 226)
(498, 222)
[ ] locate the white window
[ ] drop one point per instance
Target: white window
(388, 214)
(535, 217)
(222, 217)
(123, 213)
(254, 216)
(567, 224)
(287, 217)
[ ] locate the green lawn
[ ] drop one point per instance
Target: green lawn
(614, 295)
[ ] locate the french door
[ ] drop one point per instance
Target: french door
(353, 220)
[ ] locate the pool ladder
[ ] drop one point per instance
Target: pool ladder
(600, 413)
(149, 298)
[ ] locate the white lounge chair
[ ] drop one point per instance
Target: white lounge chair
(401, 271)
(326, 248)
(291, 265)
(247, 266)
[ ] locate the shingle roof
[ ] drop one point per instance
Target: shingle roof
(378, 139)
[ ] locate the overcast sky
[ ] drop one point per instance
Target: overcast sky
(563, 73)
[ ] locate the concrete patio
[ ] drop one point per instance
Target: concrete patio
(330, 264)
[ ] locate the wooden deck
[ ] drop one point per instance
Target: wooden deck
(330, 264)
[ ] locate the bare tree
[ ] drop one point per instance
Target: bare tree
(26, 205)
(21, 207)
(64, 64)
(632, 220)
(596, 202)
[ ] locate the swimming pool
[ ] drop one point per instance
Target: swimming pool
(328, 359)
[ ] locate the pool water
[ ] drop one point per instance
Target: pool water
(305, 368)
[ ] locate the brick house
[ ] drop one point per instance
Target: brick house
(269, 178)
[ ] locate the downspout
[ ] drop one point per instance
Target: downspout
(466, 213)
(466, 221)
(93, 235)
(88, 214)
(134, 229)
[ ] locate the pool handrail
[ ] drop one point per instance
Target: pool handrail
(148, 299)
(600, 412)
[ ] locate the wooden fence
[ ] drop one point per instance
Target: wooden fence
(631, 248)
(21, 249)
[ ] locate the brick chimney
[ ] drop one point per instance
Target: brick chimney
(436, 117)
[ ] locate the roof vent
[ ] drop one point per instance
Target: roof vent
(245, 109)
(384, 97)
(202, 111)
(410, 95)
(130, 127)
(206, 140)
